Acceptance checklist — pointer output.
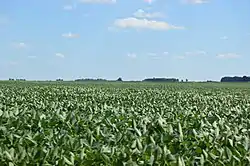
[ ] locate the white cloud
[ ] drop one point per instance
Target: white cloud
(195, 1)
(149, 1)
(70, 7)
(153, 55)
(70, 35)
(132, 55)
(142, 14)
(60, 55)
(224, 38)
(195, 53)
(133, 22)
(201, 52)
(98, 1)
(20, 45)
(228, 56)
(116, 29)
(165, 53)
(191, 53)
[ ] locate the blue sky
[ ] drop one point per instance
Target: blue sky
(132, 39)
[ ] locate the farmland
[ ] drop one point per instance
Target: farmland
(124, 123)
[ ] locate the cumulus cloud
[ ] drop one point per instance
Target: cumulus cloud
(60, 55)
(98, 1)
(70, 35)
(195, 1)
(132, 55)
(133, 22)
(142, 14)
(165, 53)
(228, 56)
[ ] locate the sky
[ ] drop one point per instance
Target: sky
(132, 39)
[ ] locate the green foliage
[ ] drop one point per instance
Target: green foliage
(124, 124)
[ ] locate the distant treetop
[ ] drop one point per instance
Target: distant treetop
(119, 79)
(161, 80)
(90, 79)
(235, 79)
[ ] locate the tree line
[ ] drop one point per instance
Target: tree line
(223, 79)
(235, 79)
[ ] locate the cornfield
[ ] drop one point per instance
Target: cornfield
(124, 124)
